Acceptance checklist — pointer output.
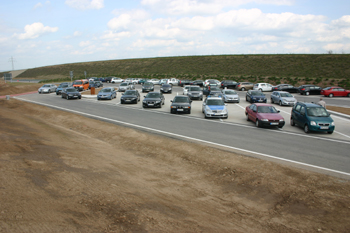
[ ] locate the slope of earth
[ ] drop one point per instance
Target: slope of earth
(62, 172)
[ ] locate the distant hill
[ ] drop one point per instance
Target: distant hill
(323, 69)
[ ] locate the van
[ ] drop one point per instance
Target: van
(81, 84)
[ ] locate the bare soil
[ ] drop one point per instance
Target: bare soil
(62, 172)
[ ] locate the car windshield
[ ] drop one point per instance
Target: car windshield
(286, 95)
(130, 92)
(230, 92)
(215, 102)
(256, 93)
(166, 85)
(106, 90)
(46, 85)
(317, 112)
(153, 95)
(123, 84)
(181, 99)
(148, 84)
(92, 82)
(214, 88)
(63, 85)
(267, 109)
(194, 89)
(78, 82)
(71, 90)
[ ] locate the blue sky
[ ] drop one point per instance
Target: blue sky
(40, 33)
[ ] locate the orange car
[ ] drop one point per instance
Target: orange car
(81, 84)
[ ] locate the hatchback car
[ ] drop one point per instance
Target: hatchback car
(166, 88)
(243, 86)
(198, 83)
(311, 117)
(210, 87)
(153, 100)
(116, 80)
(230, 84)
(335, 91)
(283, 98)
(214, 107)
(70, 93)
(130, 97)
(195, 92)
(107, 93)
(309, 90)
(262, 87)
(180, 104)
(47, 88)
(126, 86)
(147, 87)
(285, 87)
(264, 115)
(253, 96)
(61, 87)
(230, 96)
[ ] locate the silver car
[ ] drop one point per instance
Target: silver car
(126, 86)
(47, 88)
(283, 98)
(230, 96)
(195, 92)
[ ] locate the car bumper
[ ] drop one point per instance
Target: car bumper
(232, 100)
(180, 110)
(44, 91)
(317, 128)
(195, 97)
(104, 97)
(280, 124)
(288, 104)
(216, 115)
(258, 101)
(128, 101)
(151, 105)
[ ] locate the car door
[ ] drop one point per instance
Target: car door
(250, 112)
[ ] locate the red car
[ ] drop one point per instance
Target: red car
(264, 115)
(335, 91)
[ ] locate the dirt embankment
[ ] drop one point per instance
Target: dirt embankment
(62, 172)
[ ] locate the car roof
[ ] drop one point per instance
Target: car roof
(281, 91)
(263, 104)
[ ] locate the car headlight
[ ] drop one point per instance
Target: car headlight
(312, 123)
(161, 88)
(333, 124)
(281, 120)
(207, 109)
(264, 119)
(144, 101)
(157, 101)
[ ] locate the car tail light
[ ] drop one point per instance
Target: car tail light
(303, 89)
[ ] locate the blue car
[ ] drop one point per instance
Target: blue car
(254, 96)
(214, 107)
(107, 93)
(61, 87)
(311, 117)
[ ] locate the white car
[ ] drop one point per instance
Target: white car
(262, 87)
(47, 88)
(212, 81)
(185, 89)
(155, 81)
(117, 80)
(126, 86)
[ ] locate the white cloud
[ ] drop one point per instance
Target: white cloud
(38, 5)
(85, 4)
(35, 30)
(84, 43)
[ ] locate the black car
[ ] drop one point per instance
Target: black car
(108, 79)
(61, 87)
(147, 87)
(180, 104)
(95, 84)
(184, 82)
(309, 90)
(285, 87)
(253, 96)
(70, 93)
(153, 100)
(130, 97)
(229, 84)
(166, 88)
(198, 83)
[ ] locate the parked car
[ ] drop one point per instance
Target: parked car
(126, 86)
(185, 89)
(335, 91)
(93, 79)
(198, 83)
(311, 117)
(147, 87)
(81, 84)
(162, 81)
(230, 84)
(214, 107)
(107, 93)
(195, 92)
(142, 81)
(210, 87)
(153, 100)
(182, 83)
(102, 79)
(172, 81)
(283, 98)
(212, 81)
(47, 88)
(309, 89)
(108, 79)
(166, 88)
(180, 104)
(264, 115)
(116, 80)
(243, 86)
(285, 87)
(253, 96)
(70, 93)
(155, 81)
(230, 96)
(130, 96)
(61, 87)
(262, 87)
(95, 84)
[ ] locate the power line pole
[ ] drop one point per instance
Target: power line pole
(12, 60)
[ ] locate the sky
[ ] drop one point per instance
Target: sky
(40, 33)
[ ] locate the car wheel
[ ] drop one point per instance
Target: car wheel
(56, 93)
(62, 96)
(67, 97)
(306, 129)
(280, 103)
(307, 93)
(189, 112)
(349, 95)
(257, 123)
(79, 97)
(271, 101)
(49, 91)
(292, 123)
(242, 89)
(330, 95)
(260, 89)
(330, 132)
(247, 117)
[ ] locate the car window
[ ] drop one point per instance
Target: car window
(181, 99)
(298, 107)
(215, 102)
(318, 112)
(286, 95)
(302, 110)
(266, 109)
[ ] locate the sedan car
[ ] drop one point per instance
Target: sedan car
(245, 86)
(153, 100)
(198, 83)
(285, 87)
(155, 81)
(228, 84)
(166, 88)
(116, 80)
(264, 115)
(126, 86)
(130, 97)
(70, 93)
(214, 107)
(230, 96)
(195, 92)
(283, 98)
(47, 88)
(108, 93)
(335, 91)
(253, 96)
(147, 87)
(309, 89)
(180, 104)
(61, 87)
(311, 117)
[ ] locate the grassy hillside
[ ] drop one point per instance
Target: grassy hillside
(322, 69)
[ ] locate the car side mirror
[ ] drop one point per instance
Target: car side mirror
(171, 101)
(204, 104)
(278, 111)
(122, 93)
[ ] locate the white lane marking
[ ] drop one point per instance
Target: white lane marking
(241, 106)
(342, 134)
(190, 138)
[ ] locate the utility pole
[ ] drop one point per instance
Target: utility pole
(12, 60)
